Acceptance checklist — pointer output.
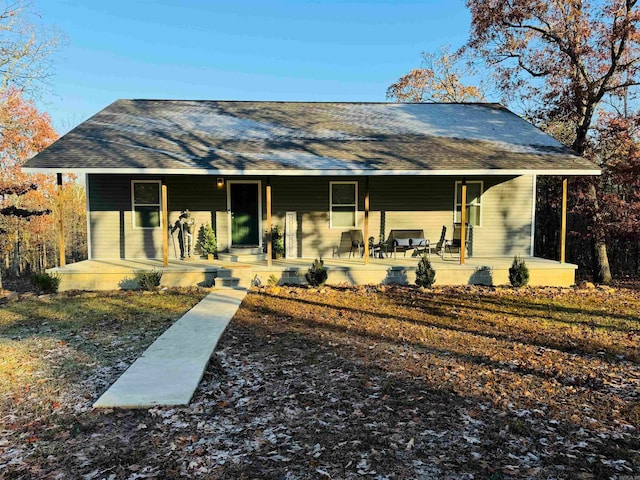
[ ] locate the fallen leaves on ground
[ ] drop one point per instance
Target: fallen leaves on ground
(370, 382)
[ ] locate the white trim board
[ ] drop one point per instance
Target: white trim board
(88, 216)
(321, 173)
(533, 214)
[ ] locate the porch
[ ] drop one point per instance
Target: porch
(117, 273)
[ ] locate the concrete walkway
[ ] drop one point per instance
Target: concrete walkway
(169, 371)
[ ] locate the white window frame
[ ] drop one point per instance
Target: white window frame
(478, 203)
(134, 204)
(331, 204)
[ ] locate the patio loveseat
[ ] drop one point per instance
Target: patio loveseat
(405, 240)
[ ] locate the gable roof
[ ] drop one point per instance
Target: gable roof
(293, 138)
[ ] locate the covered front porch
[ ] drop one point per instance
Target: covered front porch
(117, 273)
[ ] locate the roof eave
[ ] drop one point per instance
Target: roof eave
(319, 172)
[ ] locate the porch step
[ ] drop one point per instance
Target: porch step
(228, 282)
(242, 257)
(234, 277)
(245, 250)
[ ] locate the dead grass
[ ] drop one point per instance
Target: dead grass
(58, 352)
(388, 383)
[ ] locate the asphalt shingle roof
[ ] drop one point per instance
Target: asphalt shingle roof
(181, 136)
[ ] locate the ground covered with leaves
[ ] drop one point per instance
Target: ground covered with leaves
(371, 382)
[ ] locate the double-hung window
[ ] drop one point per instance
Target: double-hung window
(145, 203)
(474, 202)
(343, 208)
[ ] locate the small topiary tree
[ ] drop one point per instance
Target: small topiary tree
(207, 240)
(46, 283)
(425, 273)
(518, 273)
(277, 241)
(317, 274)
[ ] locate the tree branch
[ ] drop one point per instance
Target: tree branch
(17, 189)
(556, 39)
(22, 213)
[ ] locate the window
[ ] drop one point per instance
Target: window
(343, 204)
(145, 200)
(474, 202)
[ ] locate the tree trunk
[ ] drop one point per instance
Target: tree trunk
(600, 261)
(601, 270)
(15, 261)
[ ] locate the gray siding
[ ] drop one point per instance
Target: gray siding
(425, 203)
(396, 203)
(506, 217)
(111, 223)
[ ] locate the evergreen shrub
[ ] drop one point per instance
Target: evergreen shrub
(425, 273)
(518, 273)
(317, 274)
(45, 282)
(148, 280)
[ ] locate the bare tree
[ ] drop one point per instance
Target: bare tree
(26, 47)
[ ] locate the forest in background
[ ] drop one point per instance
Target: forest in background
(29, 206)
(30, 209)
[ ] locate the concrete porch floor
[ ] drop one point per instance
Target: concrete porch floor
(118, 273)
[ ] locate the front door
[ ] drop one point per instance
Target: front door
(244, 205)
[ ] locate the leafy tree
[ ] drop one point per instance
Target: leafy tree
(570, 57)
(439, 79)
(617, 148)
(25, 131)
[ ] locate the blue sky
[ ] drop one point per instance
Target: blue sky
(238, 50)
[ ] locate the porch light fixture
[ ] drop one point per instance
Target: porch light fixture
(220, 183)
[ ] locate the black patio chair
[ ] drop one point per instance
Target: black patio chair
(357, 242)
(456, 242)
(377, 250)
(439, 247)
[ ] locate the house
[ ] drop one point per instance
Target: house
(317, 170)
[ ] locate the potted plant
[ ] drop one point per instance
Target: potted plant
(207, 241)
(277, 242)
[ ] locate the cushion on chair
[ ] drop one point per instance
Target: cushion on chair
(418, 242)
(403, 242)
